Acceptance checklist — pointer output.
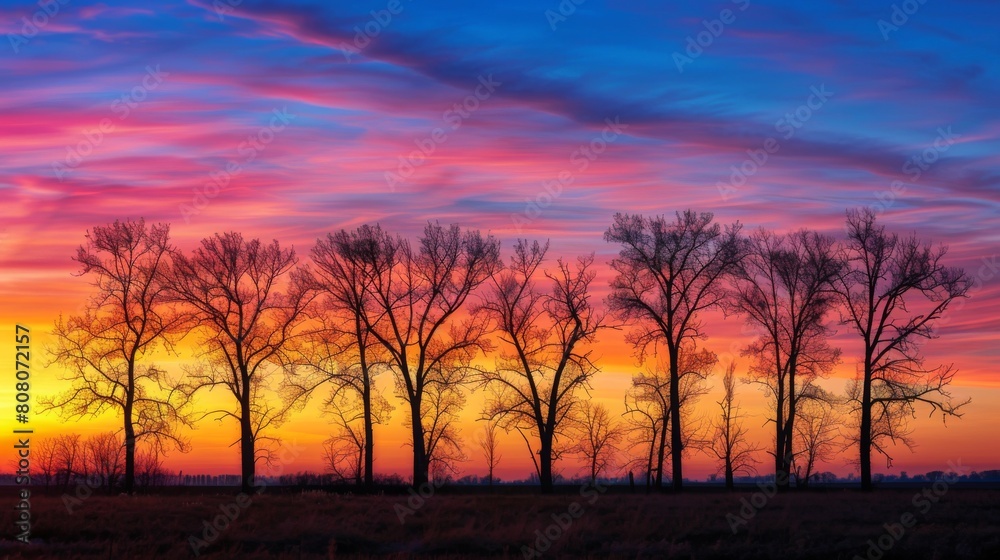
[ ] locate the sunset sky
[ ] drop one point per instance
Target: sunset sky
(286, 120)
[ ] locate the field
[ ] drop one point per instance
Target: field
(842, 524)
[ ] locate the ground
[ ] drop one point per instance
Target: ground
(843, 524)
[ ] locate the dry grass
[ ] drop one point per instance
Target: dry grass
(964, 525)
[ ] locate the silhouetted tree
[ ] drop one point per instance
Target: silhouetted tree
(818, 437)
(543, 361)
(647, 405)
(413, 312)
(729, 439)
(344, 452)
(600, 436)
(784, 290)
(343, 352)
(893, 289)
(103, 351)
(489, 444)
(68, 458)
(232, 285)
(43, 460)
(105, 457)
(667, 274)
(442, 404)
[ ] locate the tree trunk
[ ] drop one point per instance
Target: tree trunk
(676, 444)
(545, 464)
(865, 441)
(369, 434)
(129, 482)
(246, 440)
(661, 453)
(419, 453)
(730, 485)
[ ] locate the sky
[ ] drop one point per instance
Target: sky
(286, 120)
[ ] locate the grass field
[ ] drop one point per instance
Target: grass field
(962, 524)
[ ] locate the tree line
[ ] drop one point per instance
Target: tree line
(446, 313)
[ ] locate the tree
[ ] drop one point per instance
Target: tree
(343, 351)
(105, 349)
(818, 438)
(783, 289)
(544, 361)
(68, 458)
(413, 312)
(232, 286)
(667, 274)
(892, 291)
(729, 439)
(489, 444)
(600, 436)
(441, 406)
(104, 455)
(647, 406)
(149, 467)
(344, 452)
(43, 460)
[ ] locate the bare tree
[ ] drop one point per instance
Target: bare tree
(600, 437)
(343, 352)
(43, 460)
(893, 290)
(413, 312)
(149, 467)
(105, 457)
(729, 439)
(784, 291)
(232, 285)
(544, 361)
(818, 438)
(344, 451)
(68, 458)
(442, 404)
(105, 350)
(489, 444)
(667, 274)
(647, 406)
